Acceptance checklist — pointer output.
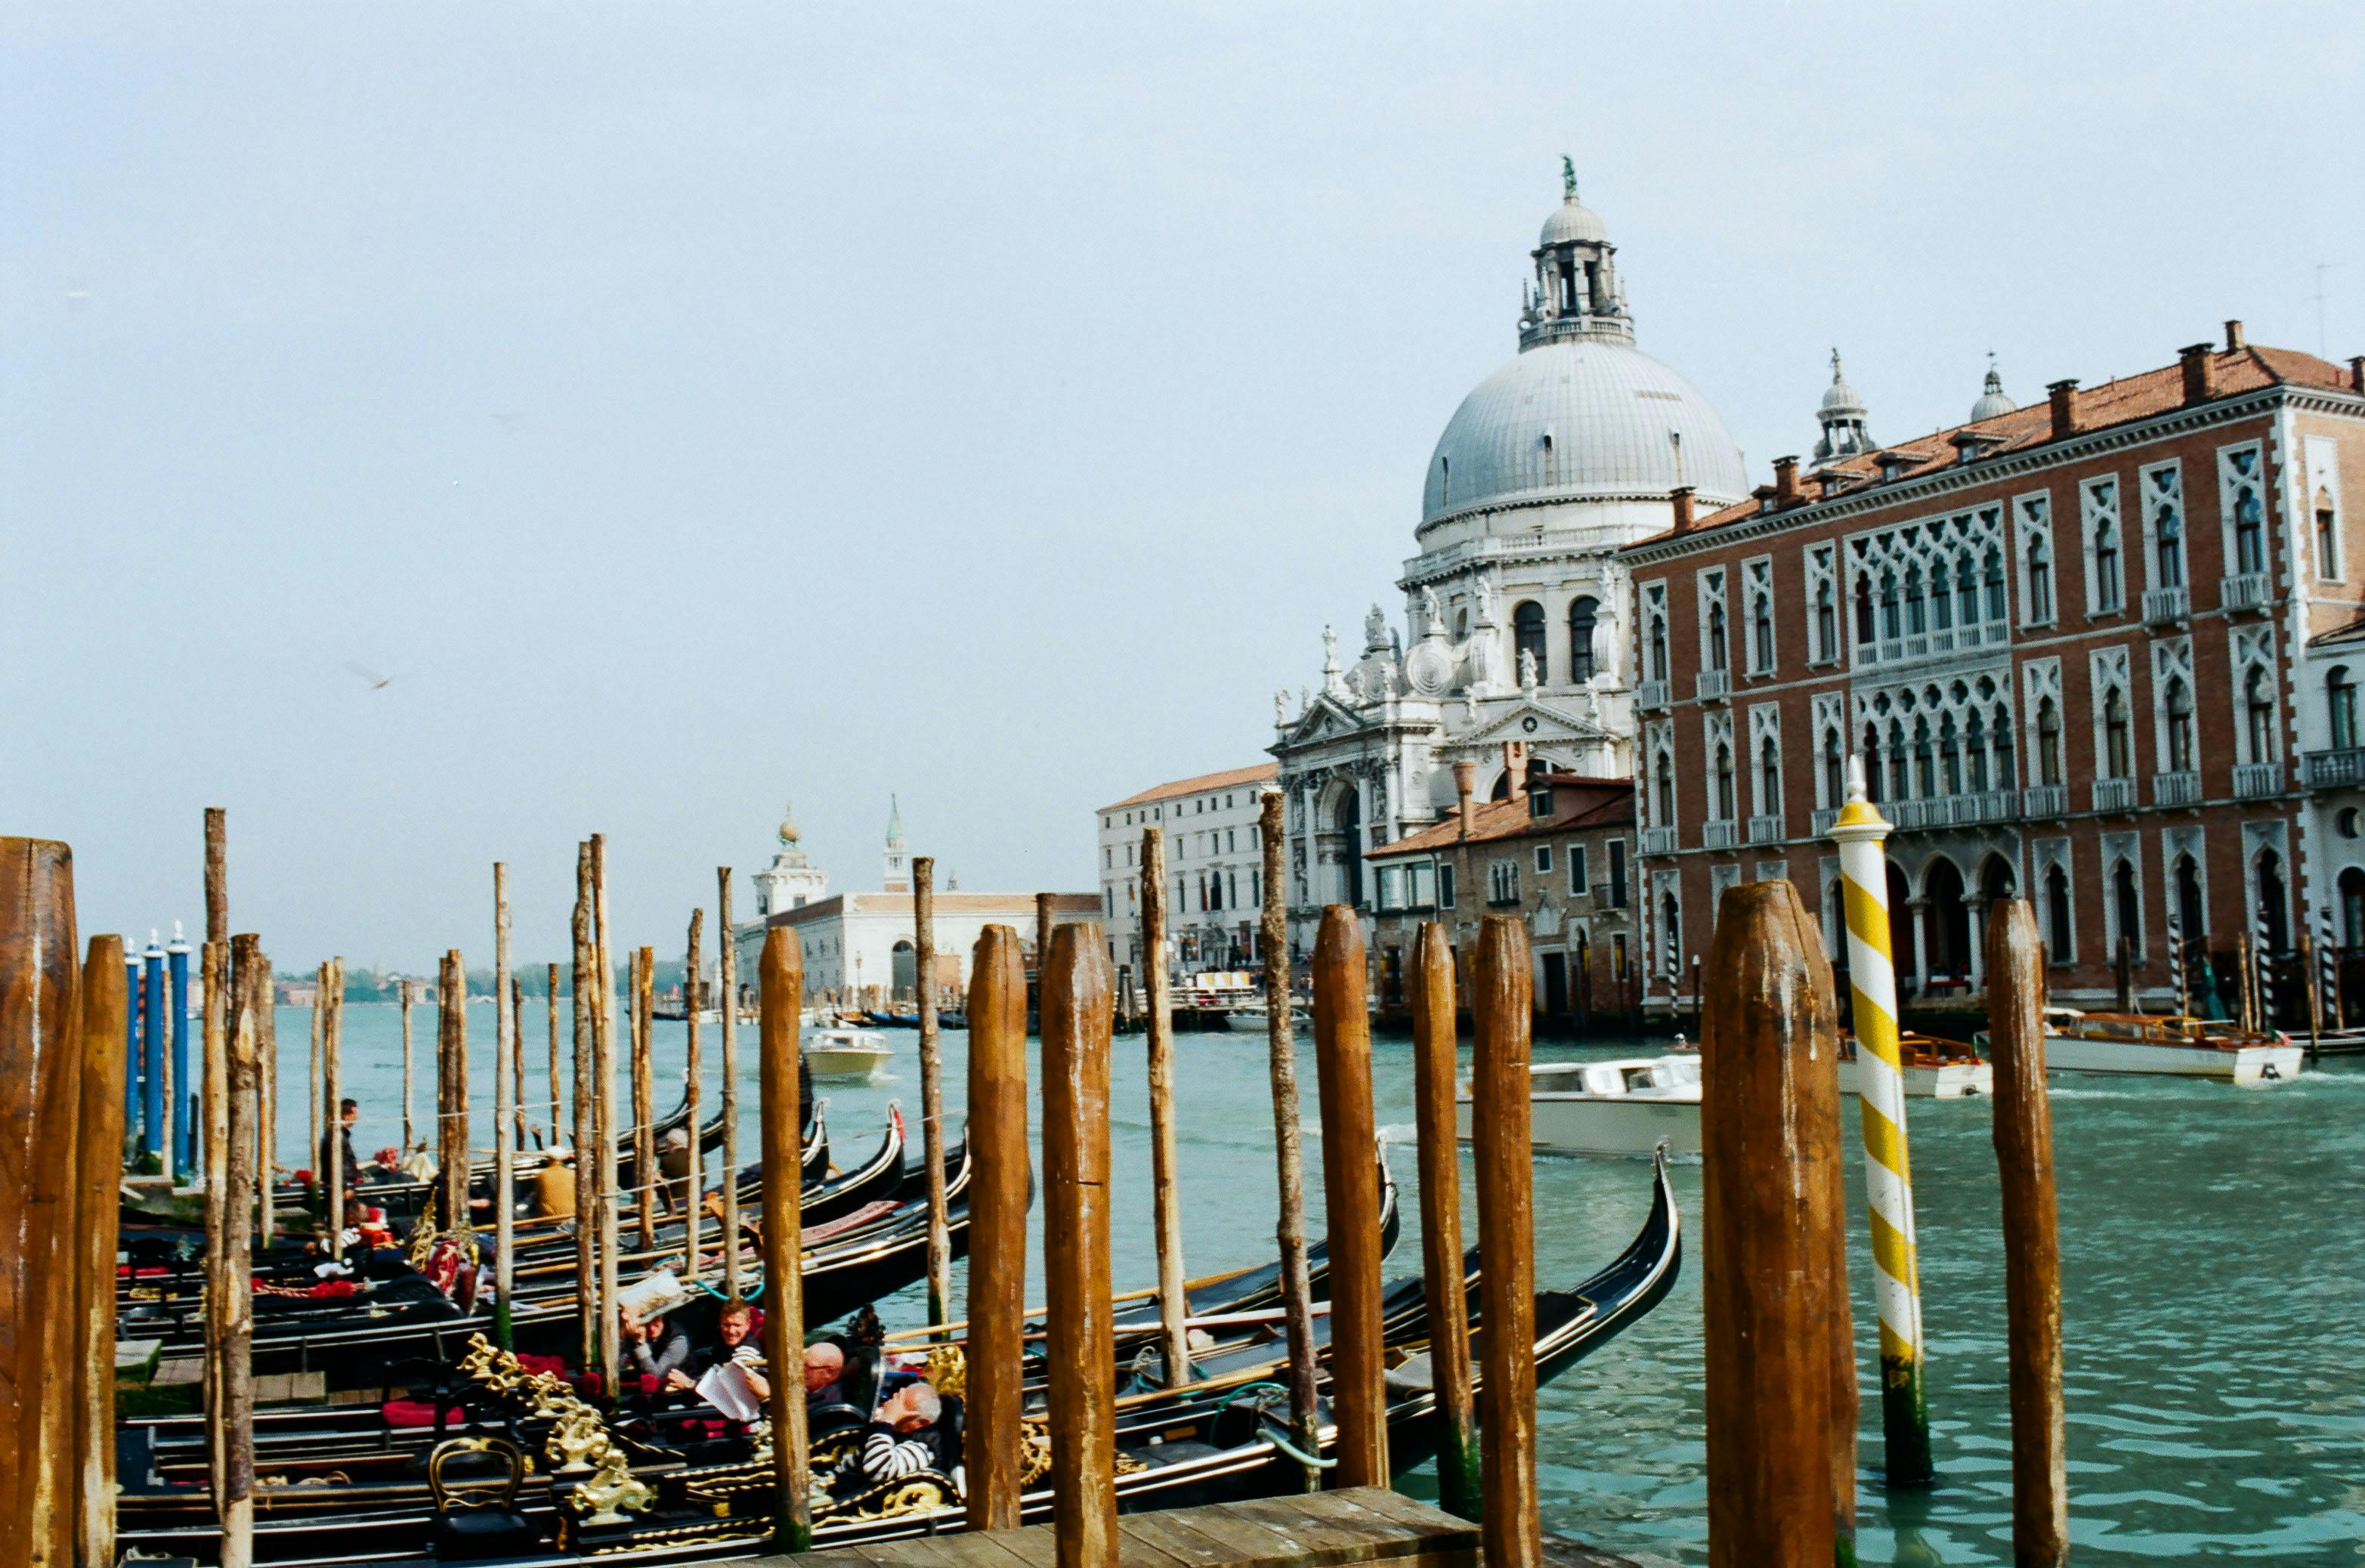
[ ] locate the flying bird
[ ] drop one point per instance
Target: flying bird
(376, 682)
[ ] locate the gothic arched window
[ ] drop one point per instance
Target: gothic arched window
(1583, 613)
(2118, 740)
(2056, 915)
(2179, 725)
(1716, 640)
(1975, 751)
(2040, 579)
(1666, 793)
(1916, 607)
(1827, 625)
(2106, 567)
(2340, 702)
(1994, 578)
(2259, 714)
(1658, 648)
(1966, 590)
(2005, 768)
(2049, 742)
(1725, 783)
(2167, 544)
(1864, 632)
(2250, 532)
(1835, 769)
(1942, 603)
(1527, 635)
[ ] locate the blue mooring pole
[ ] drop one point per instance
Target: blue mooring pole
(184, 1087)
(151, 1048)
(130, 1046)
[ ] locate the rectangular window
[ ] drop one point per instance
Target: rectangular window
(1577, 886)
(1420, 891)
(1543, 860)
(1618, 874)
(1390, 879)
(1444, 884)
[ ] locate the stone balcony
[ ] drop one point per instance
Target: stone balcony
(1820, 823)
(2255, 780)
(1766, 827)
(2342, 768)
(1658, 841)
(2114, 794)
(1720, 835)
(2246, 590)
(2045, 801)
(1712, 685)
(2180, 788)
(1650, 695)
(2167, 606)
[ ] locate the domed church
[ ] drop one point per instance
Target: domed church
(1510, 636)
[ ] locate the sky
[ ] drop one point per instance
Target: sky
(692, 409)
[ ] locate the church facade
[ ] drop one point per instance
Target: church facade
(1511, 654)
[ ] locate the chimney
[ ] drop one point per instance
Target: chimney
(1466, 780)
(1515, 763)
(1786, 481)
(1682, 496)
(2194, 360)
(2357, 373)
(2064, 395)
(2234, 343)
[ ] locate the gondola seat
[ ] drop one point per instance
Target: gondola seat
(474, 1483)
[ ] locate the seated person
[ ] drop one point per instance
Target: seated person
(553, 1187)
(678, 1166)
(657, 1348)
(904, 1437)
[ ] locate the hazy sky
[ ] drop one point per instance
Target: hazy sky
(694, 407)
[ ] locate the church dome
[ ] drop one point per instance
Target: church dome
(1587, 418)
(1573, 223)
(1991, 401)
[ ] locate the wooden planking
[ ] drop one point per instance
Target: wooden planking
(1323, 1529)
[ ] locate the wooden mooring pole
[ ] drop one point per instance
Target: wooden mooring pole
(1772, 1222)
(98, 1160)
(1502, 1017)
(230, 1315)
(587, 1125)
(1350, 1191)
(507, 1063)
(693, 1190)
(1434, 1071)
(451, 1092)
(332, 1152)
(645, 1128)
(999, 1184)
(1281, 1052)
(781, 981)
(410, 1138)
(931, 1089)
(215, 981)
(726, 980)
(607, 1202)
(316, 1191)
(557, 1098)
(2032, 1246)
(214, 1130)
(1081, 1349)
(1165, 1189)
(266, 1100)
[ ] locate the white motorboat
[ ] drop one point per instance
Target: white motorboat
(1934, 1068)
(1627, 1106)
(845, 1053)
(2179, 1048)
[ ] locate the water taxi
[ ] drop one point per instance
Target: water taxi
(845, 1053)
(2177, 1047)
(1626, 1106)
(1934, 1068)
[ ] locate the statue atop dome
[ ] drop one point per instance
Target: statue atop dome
(1568, 177)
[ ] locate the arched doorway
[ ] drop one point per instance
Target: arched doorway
(1902, 941)
(2056, 915)
(2274, 920)
(2192, 915)
(1949, 921)
(1348, 818)
(903, 970)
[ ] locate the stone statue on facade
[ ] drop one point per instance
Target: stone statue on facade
(1528, 670)
(1329, 651)
(1432, 619)
(1281, 710)
(1485, 595)
(1375, 630)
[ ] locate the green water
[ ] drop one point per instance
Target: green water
(2213, 1291)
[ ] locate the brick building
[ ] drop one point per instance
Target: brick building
(1558, 853)
(2102, 648)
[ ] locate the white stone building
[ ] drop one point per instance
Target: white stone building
(861, 948)
(1514, 603)
(1214, 869)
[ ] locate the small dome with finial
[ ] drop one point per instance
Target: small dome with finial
(1992, 401)
(1843, 416)
(788, 834)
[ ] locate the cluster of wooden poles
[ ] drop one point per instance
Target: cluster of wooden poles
(1781, 1378)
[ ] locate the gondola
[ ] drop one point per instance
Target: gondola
(325, 1450)
(163, 1272)
(870, 1252)
(1212, 1441)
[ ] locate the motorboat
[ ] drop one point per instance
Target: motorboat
(1628, 1105)
(1934, 1068)
(846, 1053)
(2171, 1046)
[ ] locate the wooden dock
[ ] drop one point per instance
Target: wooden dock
(1323, 1529)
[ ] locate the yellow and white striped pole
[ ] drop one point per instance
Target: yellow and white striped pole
(1880, 1089)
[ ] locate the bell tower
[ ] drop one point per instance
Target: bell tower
(897, 876)
(1575, 292)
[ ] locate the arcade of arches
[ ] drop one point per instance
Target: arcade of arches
(1938, 931)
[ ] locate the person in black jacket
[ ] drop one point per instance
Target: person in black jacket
(337, 1142)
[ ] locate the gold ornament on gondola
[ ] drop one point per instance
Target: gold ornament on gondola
(603, 1499)
(948, 1371)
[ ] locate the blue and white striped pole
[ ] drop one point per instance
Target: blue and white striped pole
(151, 1048)
(184, 1087)
(131, 1096)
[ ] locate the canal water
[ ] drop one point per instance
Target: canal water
(2214, 1295)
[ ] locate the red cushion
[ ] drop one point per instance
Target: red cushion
(418, 1413)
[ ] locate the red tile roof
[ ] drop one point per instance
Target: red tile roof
(1577, 803)
(1262, 773)
(2140, 396)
